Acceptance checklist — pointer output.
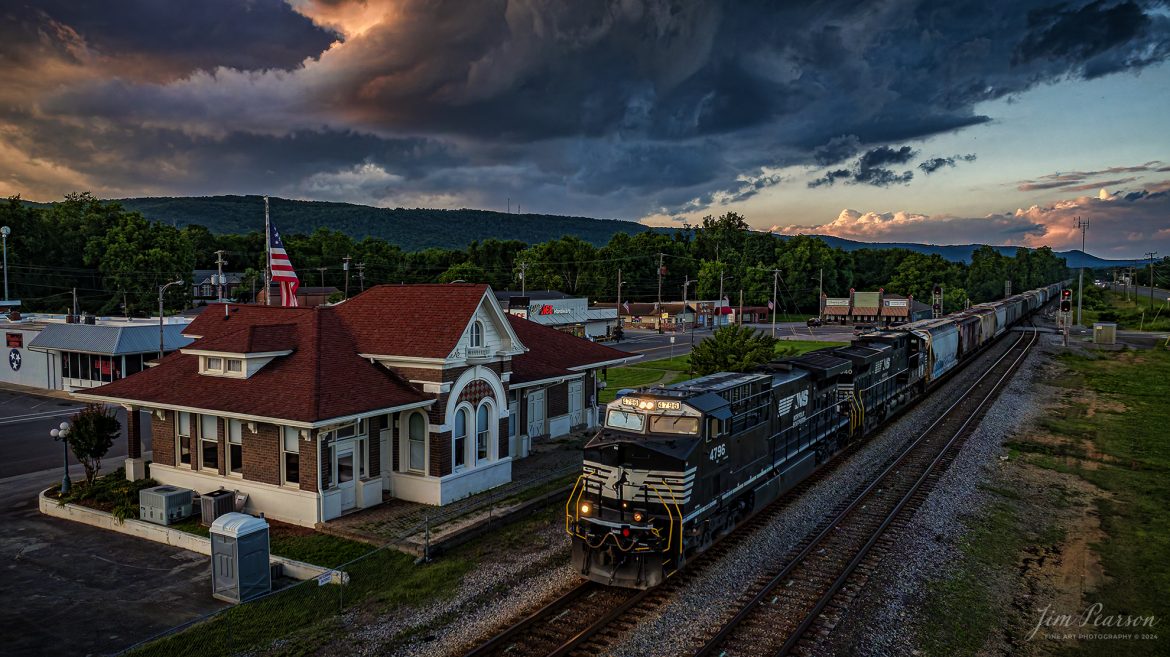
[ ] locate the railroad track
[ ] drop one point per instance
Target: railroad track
(590, 617)
(787, 610)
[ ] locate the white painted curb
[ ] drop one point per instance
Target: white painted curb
(160, 534)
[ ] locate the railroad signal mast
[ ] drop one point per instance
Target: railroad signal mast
(1065, 318)
(937, 301)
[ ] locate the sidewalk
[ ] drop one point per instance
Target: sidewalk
(549, 471)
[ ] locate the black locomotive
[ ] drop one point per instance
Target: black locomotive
(674, 468)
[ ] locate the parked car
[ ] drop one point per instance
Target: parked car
(862, 329)
(814, 321)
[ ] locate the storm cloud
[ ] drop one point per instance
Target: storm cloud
(621, 108)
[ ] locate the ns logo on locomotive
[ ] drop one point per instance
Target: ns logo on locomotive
(675, 468)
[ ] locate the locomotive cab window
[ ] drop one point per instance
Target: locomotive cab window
(627, 420)
(674, 424)
(714, 428)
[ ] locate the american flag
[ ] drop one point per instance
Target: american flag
(282, 269)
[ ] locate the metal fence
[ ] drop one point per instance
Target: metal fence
(266, 620)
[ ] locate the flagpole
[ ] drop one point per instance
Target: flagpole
(267, 257)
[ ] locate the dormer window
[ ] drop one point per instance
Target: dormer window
(235, 365)
(477, 333)
(224, 365)
(215, 364)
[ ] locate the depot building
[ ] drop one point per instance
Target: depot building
(314, 412)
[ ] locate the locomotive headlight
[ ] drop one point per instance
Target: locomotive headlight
(585, 508)
(638, 516)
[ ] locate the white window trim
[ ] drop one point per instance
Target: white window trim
(227, 448)
(469, 440)
(477, 331)
(404, 443)
(178, 446)
(300, 469)
(493, 430)
(206, 369)
(203, 439)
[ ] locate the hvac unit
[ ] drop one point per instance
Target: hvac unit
(215, 504)
(163, 505)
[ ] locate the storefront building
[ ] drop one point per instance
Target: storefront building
(54, 352)
(573, 315)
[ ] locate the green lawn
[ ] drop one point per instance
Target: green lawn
(1132, 315)
(299, 543)
(1111, 432)
(305, 619)
(798, 347)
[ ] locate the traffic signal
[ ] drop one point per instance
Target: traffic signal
(1065, 306)
(1065, 294)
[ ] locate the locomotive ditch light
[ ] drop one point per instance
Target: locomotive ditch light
(585, 508)
(638, 516)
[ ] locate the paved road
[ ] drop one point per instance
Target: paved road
(25, 422)
(654, 345)
(1161, 296)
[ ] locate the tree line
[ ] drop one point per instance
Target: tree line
(116, 259)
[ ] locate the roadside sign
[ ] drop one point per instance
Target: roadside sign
(672, 339)
(665, 315)
(324, 578)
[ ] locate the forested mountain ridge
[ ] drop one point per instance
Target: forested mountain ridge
(423, 228)
(409, 229)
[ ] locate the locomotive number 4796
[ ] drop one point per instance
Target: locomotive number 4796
(718, 453)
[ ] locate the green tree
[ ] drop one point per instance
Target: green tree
(91, 434)
(135, 256)
(464, 272)
(732, 348)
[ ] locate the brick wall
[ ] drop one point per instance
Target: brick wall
(503, 441)
(397, 426)
(309, 462)
(262, 454)
(557, 399)
(221, 447)
(162, 438)
(133, 434)
(440, 446)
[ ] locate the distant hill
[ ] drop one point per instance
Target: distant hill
(962, 252)
(420, 228)
(412, 229)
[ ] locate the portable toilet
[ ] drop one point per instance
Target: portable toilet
(239, 557)
(1104, 333)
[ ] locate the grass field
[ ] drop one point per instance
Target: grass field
(1108, 436)
(673, 370)
(1132, 314)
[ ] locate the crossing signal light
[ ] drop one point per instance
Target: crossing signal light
(1066, 306)
(1066, 294)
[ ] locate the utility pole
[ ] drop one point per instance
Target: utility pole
(739, 316)
(267, 258)
(219, 263)
(524, 280)
(619, 305)
(1150, 255)
(820, 287)
(5, 231)
(74, 304)
(658, 305)
(322, 270)
(686, 283)
(345, 268)
(361, 267)
(775, 306)
(1083, 225)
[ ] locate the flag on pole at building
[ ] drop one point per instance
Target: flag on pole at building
(770, 306)
(626, 306)
(281, 268)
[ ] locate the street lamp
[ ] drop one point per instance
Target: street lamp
(5, 231)
(62, 433)
(161, 290)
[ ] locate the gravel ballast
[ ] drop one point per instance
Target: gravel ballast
(506, 588)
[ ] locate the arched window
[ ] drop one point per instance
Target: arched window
(417, 431)
(477, 333)
(483, 432)
(459, 438)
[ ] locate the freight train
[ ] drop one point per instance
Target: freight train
(674, 468)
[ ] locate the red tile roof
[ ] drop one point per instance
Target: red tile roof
(423, 321)
(552, 352)
(323, 378)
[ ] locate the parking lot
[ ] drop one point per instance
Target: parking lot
(71, 589)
